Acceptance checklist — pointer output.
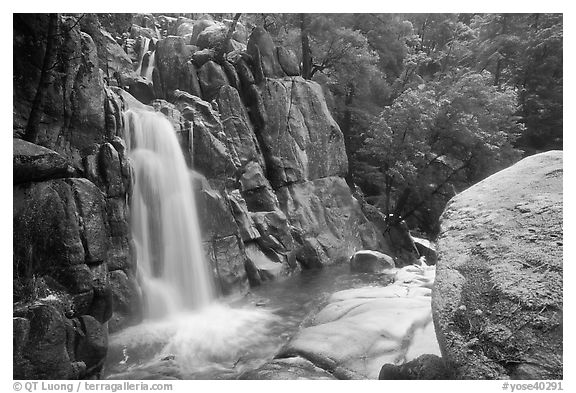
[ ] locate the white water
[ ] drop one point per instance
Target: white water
(143, 49)
(150, 66)
(218, 342)
(171, 262)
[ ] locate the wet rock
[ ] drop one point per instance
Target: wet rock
(228, 260)
(288, 61)
(240, 32)
(73, 117)
(242, 141)
(260, 45)
(274, 231)
(211, 156)
(126, 300)
(212, 36)
(32, 162)
(426, 249)
(112, 58)
(141, 88)
(368, 261)
(203, 56)
(231, 74)
(190, 79)
(299, 138)
(144, 20)
(172, 54)
(157, 370)
(265, 266)
(75, 279)
(214, 215)
(44, 355)
(185, 28)
(199, 26)
(423, 367)
(46, 228)
(242, 217)
(401, 243)
(111, 170)
(91, 206)
(140, 31)
(293, 368)
(492, 279)
(212, 78)
(92, 345)
(244, 74)
(329, 221)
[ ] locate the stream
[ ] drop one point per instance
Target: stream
(231, 336)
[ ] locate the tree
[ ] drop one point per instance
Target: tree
(437, 137)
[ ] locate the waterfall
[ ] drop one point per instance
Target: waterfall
(171, 262)
(150, 66)
(143, 49)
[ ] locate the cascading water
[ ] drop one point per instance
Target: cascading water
(150, 66)
(174, 273)
(184, 322)
(143, 49)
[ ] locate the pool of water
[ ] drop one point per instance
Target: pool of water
(229, 337)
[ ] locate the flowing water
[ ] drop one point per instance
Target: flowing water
(221, 341)
(143, 49)
(150, 66)
(164, 223)
(186, 333)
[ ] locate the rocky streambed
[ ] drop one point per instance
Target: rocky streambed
(323, 324)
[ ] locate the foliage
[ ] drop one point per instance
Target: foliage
(431, 103)
(437, 138)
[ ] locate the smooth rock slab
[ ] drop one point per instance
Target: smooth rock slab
(497, 304)
(362, 329)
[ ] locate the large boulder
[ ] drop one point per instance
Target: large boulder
(172, 54)
(212, 36)
(31, 162)
(42, 352)
(498, 305)
(368, 261)
(288, 61)
(212, 77)
(260, 46)
(423, 367)
(299, 138)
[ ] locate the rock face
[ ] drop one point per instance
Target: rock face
(71, 236)
(497, 302)
(270, 155)
(73, 116)
(34, 163)
(300, 138)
